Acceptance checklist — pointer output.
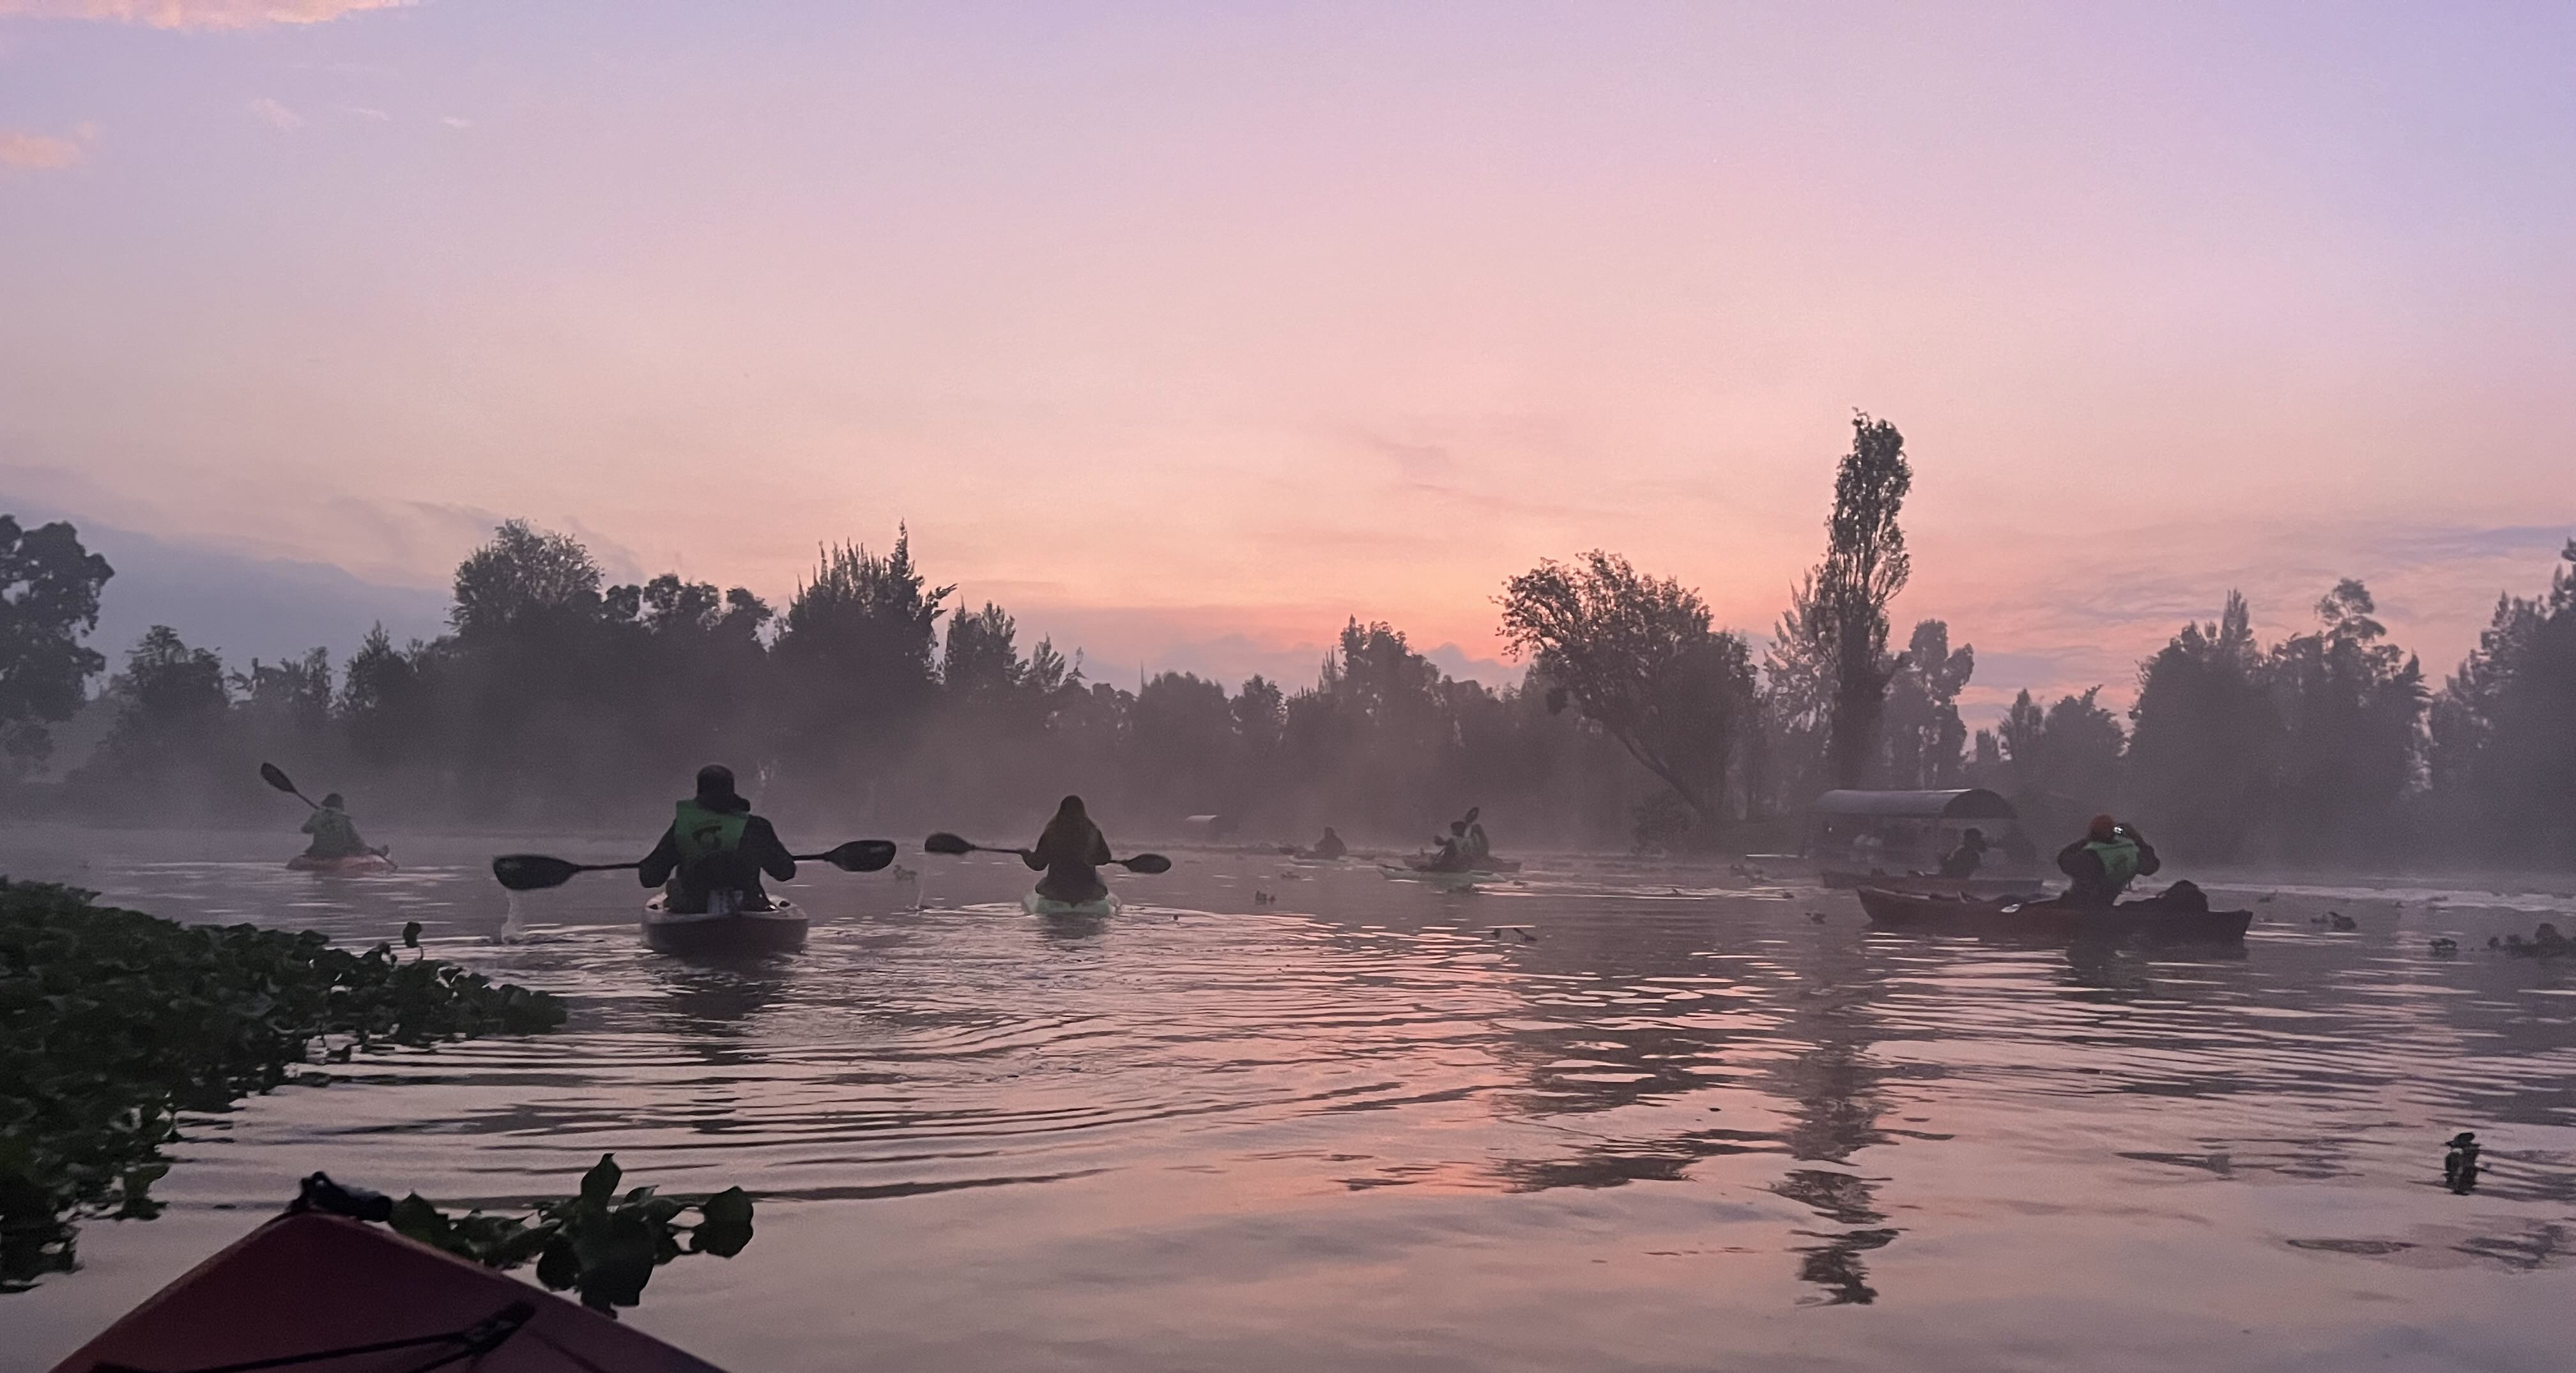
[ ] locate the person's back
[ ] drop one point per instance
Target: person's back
(1070, 852)
(1480, 850)
(716, 845)
(1331, 845)
(335, 835)
(1964, 860)
(2103, 863)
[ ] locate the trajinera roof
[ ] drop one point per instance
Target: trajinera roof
(1964, 803)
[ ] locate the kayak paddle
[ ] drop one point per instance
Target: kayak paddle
(276, 777)
(944, 842)
(536, 871)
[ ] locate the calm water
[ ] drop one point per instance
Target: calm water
(1682, 1128)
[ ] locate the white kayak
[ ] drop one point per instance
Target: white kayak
(1035, 904)
(779, 929)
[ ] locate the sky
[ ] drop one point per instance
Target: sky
(1187, 332)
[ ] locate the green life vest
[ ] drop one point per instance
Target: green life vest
(2119, 860)
(334, 834)
(701, 832)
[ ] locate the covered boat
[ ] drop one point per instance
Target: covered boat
(2149, 917)
(330, 1293)
(1871, 837)
(724, 929)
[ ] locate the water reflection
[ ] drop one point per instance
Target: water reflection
(1272, 1118)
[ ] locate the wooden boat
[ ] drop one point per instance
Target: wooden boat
(340, 1296)
(1929, 885)
(347, 865)
(723, 930)
(2145, 918)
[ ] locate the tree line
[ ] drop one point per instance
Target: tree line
(558, 699)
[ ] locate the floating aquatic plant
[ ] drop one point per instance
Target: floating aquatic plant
(113, 1022)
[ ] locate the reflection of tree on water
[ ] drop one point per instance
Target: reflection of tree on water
(1834, 1085)
(1813, 1003)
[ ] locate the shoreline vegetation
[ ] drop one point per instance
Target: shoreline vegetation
(559, 701)
(114, 1024)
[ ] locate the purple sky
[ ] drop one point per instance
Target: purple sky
(1187, 331)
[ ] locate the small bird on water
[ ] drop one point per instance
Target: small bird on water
(2444, 947)
(2339, 920)
(2460, 1166)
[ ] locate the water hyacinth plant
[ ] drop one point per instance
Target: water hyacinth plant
(113, 1022)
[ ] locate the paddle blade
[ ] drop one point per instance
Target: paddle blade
(275, 777)
(532, 871)
(861, 855)
(1147, 863)
(944, 842)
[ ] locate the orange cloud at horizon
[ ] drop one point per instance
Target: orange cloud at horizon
(194, 14)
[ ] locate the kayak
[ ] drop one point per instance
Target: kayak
(1927, 884)
(2151, 918)
(1035, 904)
(312, 1290)
(347, 865)
(780, 929)
(1433, 877)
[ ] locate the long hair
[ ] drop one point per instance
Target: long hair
(1071, 828)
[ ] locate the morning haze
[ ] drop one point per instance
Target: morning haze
(1686, 685)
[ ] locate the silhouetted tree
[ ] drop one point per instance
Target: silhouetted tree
(1637, 655)
(49, 589)
(1845, 616)
(525, 577)
(2207, 739)
(2503, 745)
(2351, 707)
(1925, 737)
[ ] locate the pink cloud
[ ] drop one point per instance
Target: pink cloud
(195, 14)
(39, 153)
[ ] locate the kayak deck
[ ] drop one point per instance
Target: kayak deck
(306, 1285)
(780, 929)
(2147, 918)
(348, 865)
(1035, 904)
(1919, 884)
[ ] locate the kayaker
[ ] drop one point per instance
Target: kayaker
(1070, 853)
(2103, 863)
(1963, 860)
(335, 835)
(715, 844)
(1453, 850)
(1329, 847)
(1479, 849)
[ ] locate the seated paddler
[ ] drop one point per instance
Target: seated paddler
(335, 835)
(716, 845)
(2103, 863)
(1070, 853)
(1964, 860)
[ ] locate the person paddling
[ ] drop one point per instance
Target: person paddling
(1070, 853)
(716, 845)
(1329, 847)
(2103, 863)
(335, 835)
(1472, 842)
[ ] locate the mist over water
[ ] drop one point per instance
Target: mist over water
(1685, 1125)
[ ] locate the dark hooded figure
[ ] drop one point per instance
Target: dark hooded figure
(335, 835)
(1963, 860)
(715, 844)
(1070, 853)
